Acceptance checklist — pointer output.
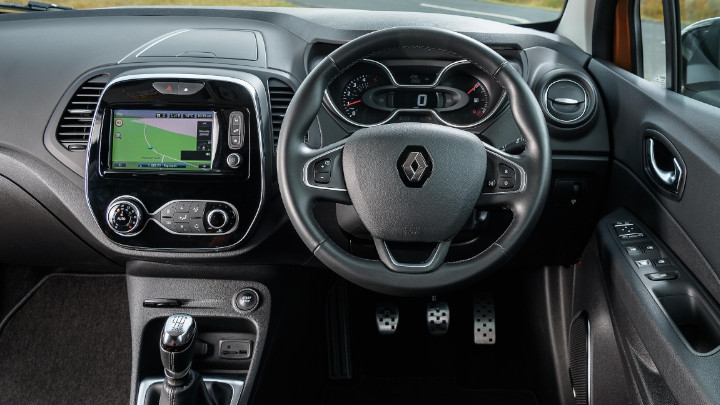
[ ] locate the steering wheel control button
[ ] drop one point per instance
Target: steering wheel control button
(166, 87)
(186, 89)
(124, 217)
(322, 171)
(322, 178)
(247, 299)
(506, 182)
(505, 171)
(663, 276)
(236, 133)
(234, 160)
(387, 316)
(644, 263)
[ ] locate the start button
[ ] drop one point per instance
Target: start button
(247, 299)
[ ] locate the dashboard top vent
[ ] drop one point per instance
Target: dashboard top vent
(280, 95)
(73, 130)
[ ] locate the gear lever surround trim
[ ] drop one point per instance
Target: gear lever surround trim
(236, 385)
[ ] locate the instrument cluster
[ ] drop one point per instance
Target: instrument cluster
(458, 94)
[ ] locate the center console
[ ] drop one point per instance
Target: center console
(176, 160)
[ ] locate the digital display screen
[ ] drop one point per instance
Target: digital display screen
(162, 140)
(415, 99)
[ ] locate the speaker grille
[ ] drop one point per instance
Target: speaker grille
(579, 359)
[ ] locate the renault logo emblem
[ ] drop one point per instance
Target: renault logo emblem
(414, 166)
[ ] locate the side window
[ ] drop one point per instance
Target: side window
(652, 30)
(697, 59)
(700, 50)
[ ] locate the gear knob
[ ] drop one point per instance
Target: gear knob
(177, 345)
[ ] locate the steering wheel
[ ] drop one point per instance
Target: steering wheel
(411, 182)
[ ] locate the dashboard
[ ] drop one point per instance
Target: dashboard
(162, 146)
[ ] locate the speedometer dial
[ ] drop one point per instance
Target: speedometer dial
(352, 103)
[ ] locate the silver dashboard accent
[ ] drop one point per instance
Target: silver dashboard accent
(329, 101)
(97, 123)
(236, 385)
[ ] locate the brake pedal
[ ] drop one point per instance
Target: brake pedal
(438, 317)
(386, 317)
(484, 316)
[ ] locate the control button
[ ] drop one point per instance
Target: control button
(491, 183)
(217, 218)
(663, 275)
(506, 182)
(182, 227)
(184, 88)
(662, 262)
(236, 133)
(322, 177)
(247, 299)
(235, 142)
(124, 217)
(181, 217)
(168, 223)
(234, 160)
(235, 349)
(197, 209)
(182, 206)
(505, 171)
(196, 225)
(323, 166)
(166, 87)
(649, 248)
(168, 211)
(632, 236)
(633, 250)
(644, 263)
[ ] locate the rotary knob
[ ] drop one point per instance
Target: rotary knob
(124, 217)
(217, 218)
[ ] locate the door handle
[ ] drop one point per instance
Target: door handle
(659, 154)
(669, 178)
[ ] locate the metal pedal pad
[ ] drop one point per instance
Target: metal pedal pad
(484, 316)
(387, 316)
(438, 317)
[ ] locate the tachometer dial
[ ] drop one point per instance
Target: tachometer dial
(352, 103)
(478, 102)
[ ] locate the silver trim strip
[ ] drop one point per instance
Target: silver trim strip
(394, 82)
(306, 167)
(236, 385)
(422, 265)
(95, 134)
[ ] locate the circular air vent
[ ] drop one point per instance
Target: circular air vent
(567, 97)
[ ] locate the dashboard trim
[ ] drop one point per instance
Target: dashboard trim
(95, 134)
(395, 112)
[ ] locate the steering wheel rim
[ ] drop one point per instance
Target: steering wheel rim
(299, 196)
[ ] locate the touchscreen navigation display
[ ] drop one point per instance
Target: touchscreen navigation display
(162, 140)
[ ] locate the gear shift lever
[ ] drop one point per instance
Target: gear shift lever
(177, 347)
(182, 386)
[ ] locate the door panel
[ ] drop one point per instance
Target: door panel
(656, 324)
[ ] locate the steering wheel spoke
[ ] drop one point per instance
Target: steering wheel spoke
(434, 260)
(323, 173)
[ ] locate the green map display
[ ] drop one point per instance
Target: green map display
(162, 140)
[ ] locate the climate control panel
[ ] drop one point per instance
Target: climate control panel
(126, 216)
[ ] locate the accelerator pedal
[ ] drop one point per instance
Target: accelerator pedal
(484, 316)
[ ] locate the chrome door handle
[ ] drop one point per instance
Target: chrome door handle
(670, 179)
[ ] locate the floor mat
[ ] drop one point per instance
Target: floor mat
(417, 391)
(69, 343)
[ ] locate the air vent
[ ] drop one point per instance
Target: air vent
(280, 95)
(73, 130)
(567, 98)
